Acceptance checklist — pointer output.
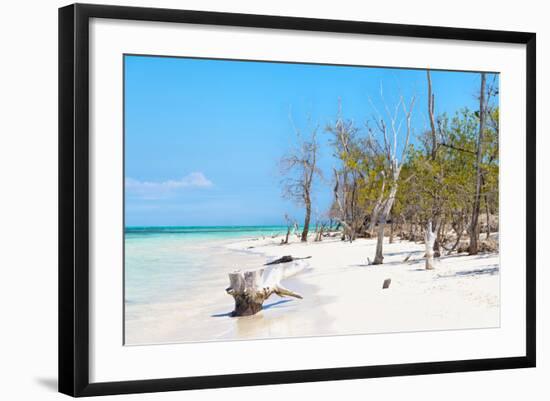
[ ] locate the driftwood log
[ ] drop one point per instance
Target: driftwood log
(285, 259)
(250, 288)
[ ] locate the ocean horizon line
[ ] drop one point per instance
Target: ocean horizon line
(208, 226)
(206, 231)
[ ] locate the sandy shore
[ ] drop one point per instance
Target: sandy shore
(342, 294)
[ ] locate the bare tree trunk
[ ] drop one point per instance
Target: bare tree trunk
(488, 217)
(431, 112)
(429, 238)
(458, 238)
(288, 229)
(348, 229)
(374, 217)
(287, 234)
(316, 230)
(394, 167)
(379, 257)
(301, 165)
(320, 233)
(474, 229)
(391, 232)
(439, 229)
(377, 209)
(437, 247)
(306, 220)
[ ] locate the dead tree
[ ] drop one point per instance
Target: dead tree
(474, 228)
(296, 229)
(288, 229)
(431, 114)
(433, 156)
(300, 167)
(319, 235)
(348, 178)
(250, 288)
(340, 216)
(378, 206)
(393, 163)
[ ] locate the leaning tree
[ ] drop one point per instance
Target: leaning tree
(389, 127)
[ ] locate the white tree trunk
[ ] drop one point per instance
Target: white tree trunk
(374, 216)
(429, 238)
(379, 257)
(250, 288)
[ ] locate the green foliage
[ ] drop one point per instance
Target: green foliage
(444, 186)
(438, 185)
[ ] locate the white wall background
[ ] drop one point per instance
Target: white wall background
(28, 199)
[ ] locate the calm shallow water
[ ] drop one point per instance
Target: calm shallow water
(164, 263)
(175, 279)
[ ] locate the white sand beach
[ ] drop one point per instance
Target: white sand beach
(342, 294)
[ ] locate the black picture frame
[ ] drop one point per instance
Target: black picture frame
(74, 199)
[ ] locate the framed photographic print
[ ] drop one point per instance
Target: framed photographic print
(249, 199)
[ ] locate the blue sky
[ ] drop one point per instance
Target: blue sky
(203, 138)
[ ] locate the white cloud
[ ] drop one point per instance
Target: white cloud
(160, 189)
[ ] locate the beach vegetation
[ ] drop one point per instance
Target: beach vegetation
(439, 186)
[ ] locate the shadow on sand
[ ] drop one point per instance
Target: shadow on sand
(265, 307)
(490, 270)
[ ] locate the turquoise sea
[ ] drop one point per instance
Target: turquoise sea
(165, 263)
(202, 232)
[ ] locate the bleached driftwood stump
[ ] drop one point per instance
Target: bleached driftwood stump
(250, 288)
